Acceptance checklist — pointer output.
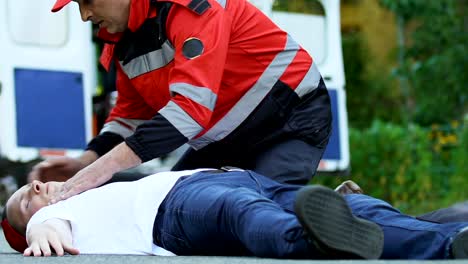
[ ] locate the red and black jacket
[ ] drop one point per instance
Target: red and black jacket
(194, 71)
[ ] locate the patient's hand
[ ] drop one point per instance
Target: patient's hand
(51, 234)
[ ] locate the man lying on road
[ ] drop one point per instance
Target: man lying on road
(212, 212)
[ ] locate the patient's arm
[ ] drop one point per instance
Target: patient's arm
(51, 234)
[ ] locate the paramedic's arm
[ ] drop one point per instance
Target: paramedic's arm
(193, 83)
(118, 159)
(51, 234)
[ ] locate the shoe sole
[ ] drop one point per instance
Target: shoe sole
(328, 220)
(460, 245)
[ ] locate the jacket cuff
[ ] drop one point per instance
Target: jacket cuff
(104, 142)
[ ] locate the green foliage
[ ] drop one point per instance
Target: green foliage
(299, 6)
(455, 154)
(410, 167)
(406, 8)
(365, 88)
(435, 60)
(346, 2)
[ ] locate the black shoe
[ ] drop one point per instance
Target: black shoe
(334, 230)
(460, 245)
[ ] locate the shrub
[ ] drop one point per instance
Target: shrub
(404, 166)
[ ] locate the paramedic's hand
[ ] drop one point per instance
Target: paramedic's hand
(99, 172)
(52, 234)
(60, 168)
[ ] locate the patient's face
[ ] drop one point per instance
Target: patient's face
(28, 200)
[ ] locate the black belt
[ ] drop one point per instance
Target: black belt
(224, 169)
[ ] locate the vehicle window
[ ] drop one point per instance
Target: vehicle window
(32, 23)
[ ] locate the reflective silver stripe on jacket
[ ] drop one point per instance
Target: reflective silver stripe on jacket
(150, 61)
(222, 3)
(244, 107)
(155, 59)
(181, 120)
(201, 95)
(310, 81)
(126, 130)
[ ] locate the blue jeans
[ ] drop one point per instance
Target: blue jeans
(243, 213)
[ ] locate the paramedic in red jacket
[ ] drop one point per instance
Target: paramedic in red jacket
(216, 74)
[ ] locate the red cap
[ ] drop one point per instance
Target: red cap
(15, 239)
(60, 4)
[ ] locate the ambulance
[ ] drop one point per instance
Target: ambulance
(48, 75)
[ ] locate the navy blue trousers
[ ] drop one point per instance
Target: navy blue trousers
(243, 213)
(291, 161)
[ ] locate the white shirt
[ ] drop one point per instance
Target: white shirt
(116, 218)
